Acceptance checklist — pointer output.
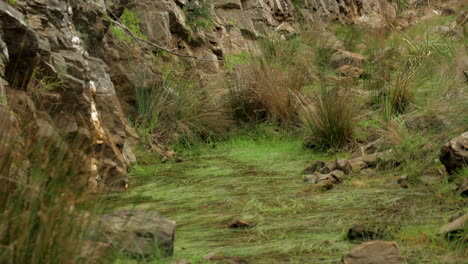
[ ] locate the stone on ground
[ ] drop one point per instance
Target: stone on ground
(458, 225)
(454, 154)
(138, 233)
(374, 252)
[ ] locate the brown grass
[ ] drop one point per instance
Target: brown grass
(261, 92)
(41, 188)
(328, 117)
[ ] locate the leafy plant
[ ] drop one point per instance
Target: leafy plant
(130, 20)
(199, 15)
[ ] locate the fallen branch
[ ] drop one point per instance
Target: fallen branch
(139, 40)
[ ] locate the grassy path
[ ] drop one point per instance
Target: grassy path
(259, 180)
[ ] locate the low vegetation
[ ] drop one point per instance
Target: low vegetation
(239, 151)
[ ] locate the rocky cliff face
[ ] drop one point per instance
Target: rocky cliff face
(66, 76)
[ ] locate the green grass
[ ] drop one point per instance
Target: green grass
(258, 178)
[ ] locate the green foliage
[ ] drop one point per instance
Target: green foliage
(131, 20)
(199, 15)
(179, 109)
(13, 1)
(42, 190)
(329, 117)
(255, 177)
(240, 58)
(401, 4)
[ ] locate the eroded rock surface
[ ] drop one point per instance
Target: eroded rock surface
(454, 154)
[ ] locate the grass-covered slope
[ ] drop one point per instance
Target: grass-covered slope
(258, 179)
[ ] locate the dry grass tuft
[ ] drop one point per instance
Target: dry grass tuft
(329, 117)
(41, 190)
(263, 93)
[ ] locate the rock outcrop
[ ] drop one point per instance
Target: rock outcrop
(57, 86)
(454, 154)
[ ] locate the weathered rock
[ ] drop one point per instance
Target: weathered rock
(80, 102)
(139, 233)
(343, 165)
(370, 13)
(329, 167)
(374, 252)
(337, 175)
(350, 71)
(344, 57)
(314, 167)
(316, 178)
(455, 227)
(324, 185)
(357, 164)
(463, 188)
(454, 154)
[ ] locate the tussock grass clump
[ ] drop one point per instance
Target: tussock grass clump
(41, 193)
(329, 117)
(180, 109)
(264, 89)
(263, 93)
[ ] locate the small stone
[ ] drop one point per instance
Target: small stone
(357, 164)
(314, 167)
(463, 188)
(237, 224)
(178, 159)
(343, 165)
(324, 185)
(338, 175)
(454, 154)
(329, 167)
